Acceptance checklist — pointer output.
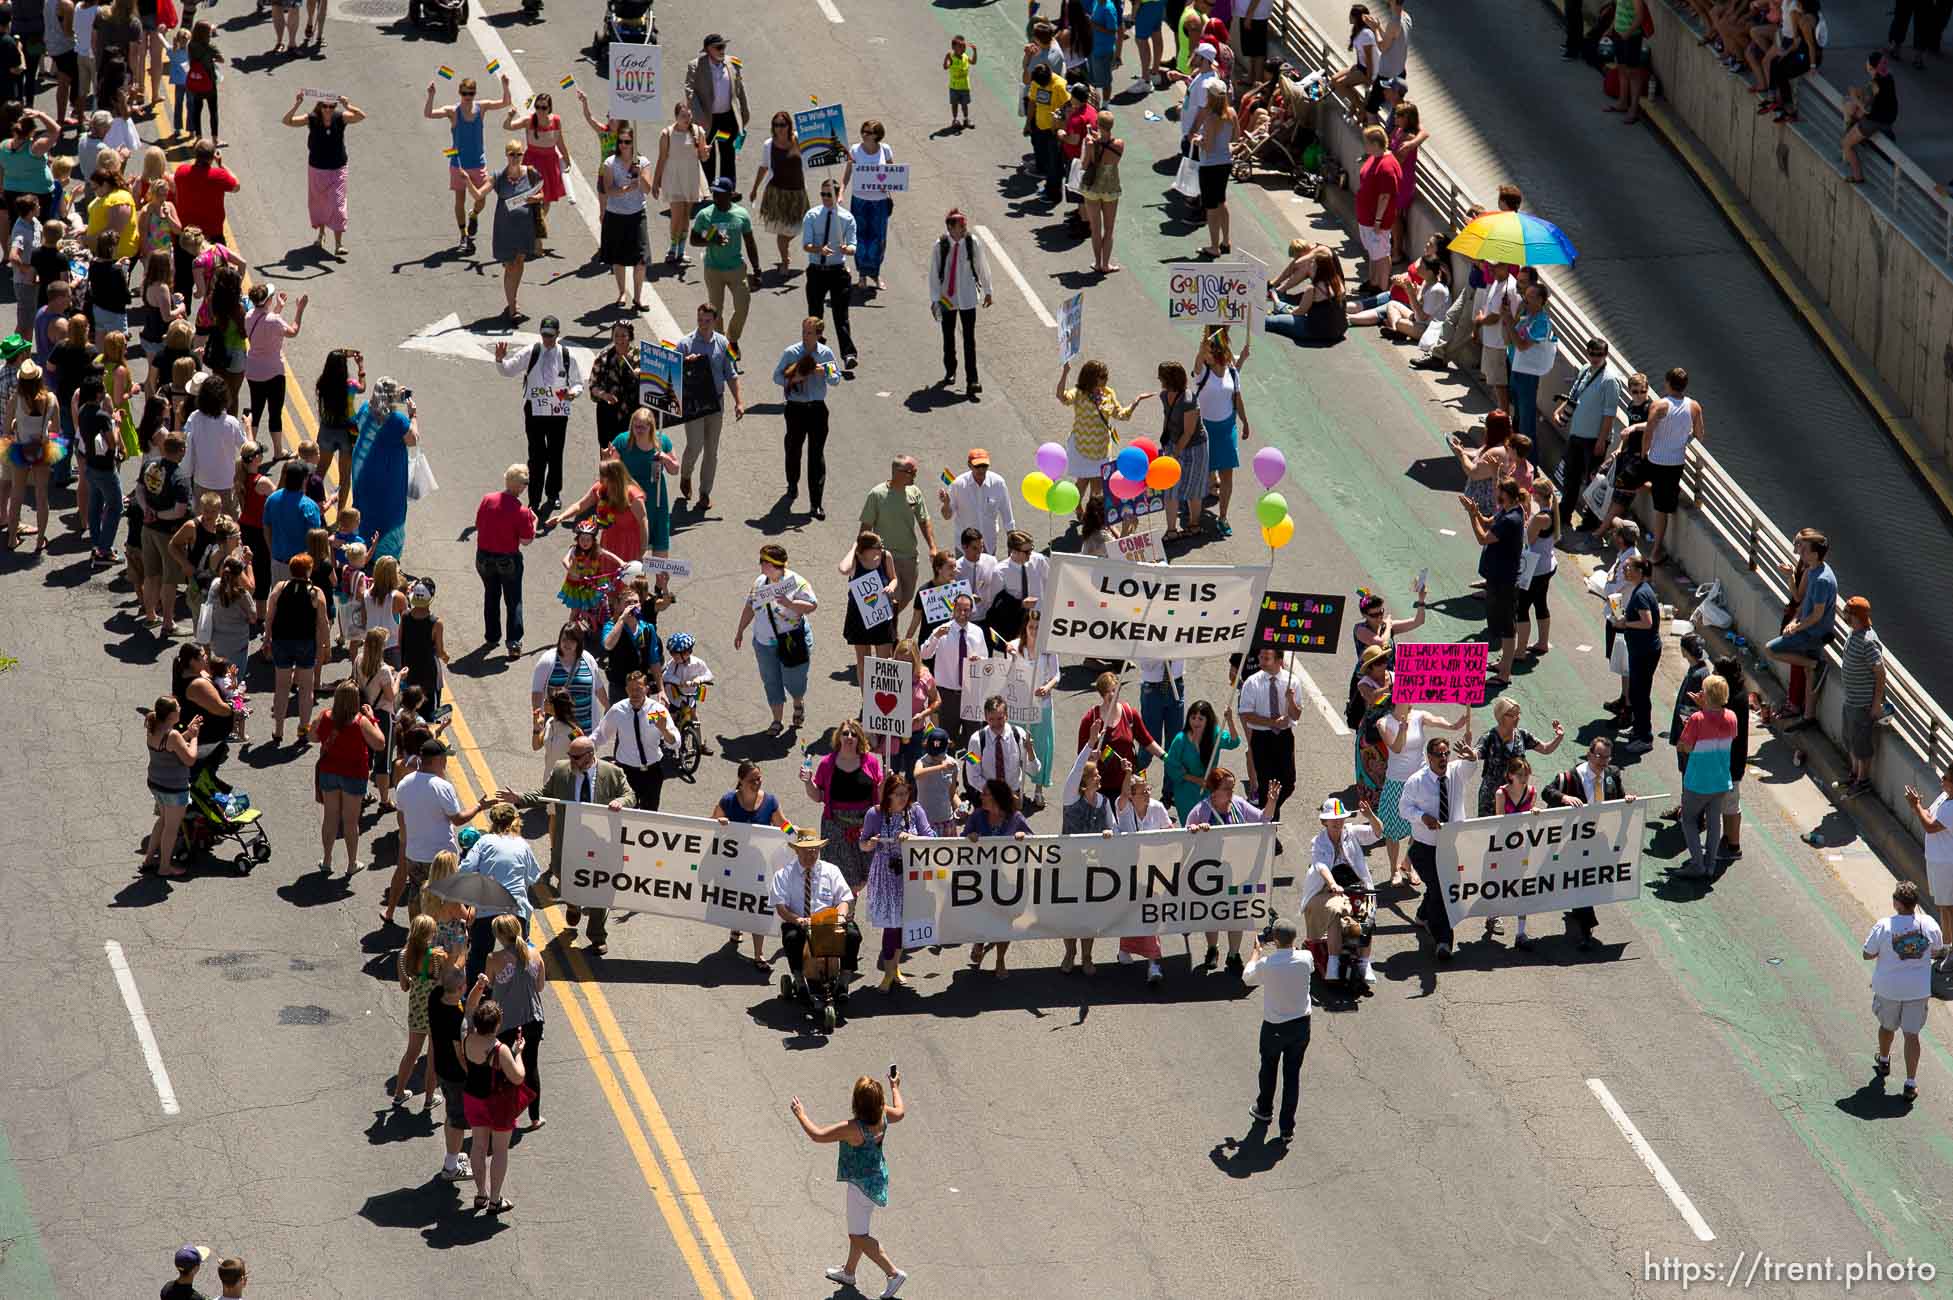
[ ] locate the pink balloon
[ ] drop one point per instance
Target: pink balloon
(1124, 488)
(1269, 466)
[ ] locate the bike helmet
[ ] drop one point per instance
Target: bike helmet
(680, 643)
(587, 526)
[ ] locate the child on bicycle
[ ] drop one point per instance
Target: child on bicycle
(686, 677)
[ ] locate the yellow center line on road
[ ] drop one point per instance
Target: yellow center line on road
(615, 1044)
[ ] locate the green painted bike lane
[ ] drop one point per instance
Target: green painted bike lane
(1716, 948)
(24, 1272)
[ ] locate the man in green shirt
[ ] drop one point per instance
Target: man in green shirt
(719, 230)
(896, 512)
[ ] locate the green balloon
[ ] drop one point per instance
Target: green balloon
(1271, 509)
(1062, 499)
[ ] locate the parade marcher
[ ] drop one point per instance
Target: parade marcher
(678, 179)
(805, 886)
(1222, 806)
(978, 499)
(710, 373)
(1283, 975)
(1094, 406)
(804, 372)
(1269, 708)
(827, 236)
(951, 649)
(895, 512)
(750, 804)
(1085, 811)
(467, 155)
(866, 556)
(845, 783)
(614, 383)
(1191, 755)
(996, 817)
(716, 88)
(896, 817)
(623, 180)
(863, 1167)
(1594, 781)
(326, 163)
(779, 191)
(783, 643)
(638, 730)
(1903, 945)
(959, 280)
(580, 778)
(1337, 865)
(514, 237)
(546, 153)
(871, 213)
(1433, 798)
(503, 526)
(571, 667)
(732, 261)
(551, 381)
(630, 641)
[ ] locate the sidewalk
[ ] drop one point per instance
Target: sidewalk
(1925, 127)
(1669, 283)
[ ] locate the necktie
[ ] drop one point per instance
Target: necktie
(637, 726)
(962, 647)
(584, 792)
(1274, 701)
(1444, 795)
(827, 235)
(997, 756)
(949, 285)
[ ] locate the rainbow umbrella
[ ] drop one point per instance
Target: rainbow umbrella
(1518, 238)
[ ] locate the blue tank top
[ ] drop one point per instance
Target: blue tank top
(865, 1166)
(581, 683)
(467, 140)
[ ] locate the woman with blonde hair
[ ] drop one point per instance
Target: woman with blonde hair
(516, 976)
(845, 784)
(379, 689)
(1213, 134)
(1094, 406)
(1223, 414)
(863, 1167)
(383, 602)
(679, 178)
(417, 970)
(616, 504)
(33, 448)
(348, 738)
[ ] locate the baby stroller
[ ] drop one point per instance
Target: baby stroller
(629, 22)
(1279, 145)
(219, 812)
(827, 943)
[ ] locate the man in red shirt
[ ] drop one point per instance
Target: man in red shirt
(1378, 179)
(1080, 117)
(503, 526)
(201, 185)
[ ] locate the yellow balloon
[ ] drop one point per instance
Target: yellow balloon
(1281, 534)
(1035, 487)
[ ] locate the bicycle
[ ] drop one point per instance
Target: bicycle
(691, 737)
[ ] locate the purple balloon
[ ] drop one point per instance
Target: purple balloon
(1269, 465)
(1053, 459)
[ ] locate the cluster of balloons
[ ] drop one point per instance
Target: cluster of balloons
(1139, 467)
(1271, 511)
(1046, 487)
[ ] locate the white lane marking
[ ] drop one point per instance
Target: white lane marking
(1447, 532)
(1321, 701)
(448, 337)
(1676, 1196)
(1584, 649)
(1016, 276)
(828, 10)
(584, 200)
(125, 979)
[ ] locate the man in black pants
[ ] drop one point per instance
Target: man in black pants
(827, 235)
(959, 278)
(1269, 709)
(717, 90)
(1284, 978)
(551, 380)
(1432, 798)
(638, 729)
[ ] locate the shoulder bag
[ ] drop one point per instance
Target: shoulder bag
(791, 645)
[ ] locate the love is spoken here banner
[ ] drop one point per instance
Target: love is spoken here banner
(1070, 886)
(1114, 609)
(1546, 861)
(688, 867)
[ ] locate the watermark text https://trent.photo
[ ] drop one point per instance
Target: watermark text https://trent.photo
(1752, 1268)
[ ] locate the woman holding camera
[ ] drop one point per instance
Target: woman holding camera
(624, 180)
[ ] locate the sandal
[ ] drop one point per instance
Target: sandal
(799, 714)
(502, 1206)
(481, 1202)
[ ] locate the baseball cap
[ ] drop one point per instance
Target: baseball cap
(935, 740)
(725, 185)
(979, 456)
(1207, 52)
(191, 1256)
(432, 747)
(550, 325)
(712, 39)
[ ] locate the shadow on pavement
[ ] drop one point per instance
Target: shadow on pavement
(1245, 1157)
(1871, 1101)
(316, 889)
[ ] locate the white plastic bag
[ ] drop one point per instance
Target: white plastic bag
(1427, 343)
(420, 476)
(1617, 658)
(1599, 492)
(1187, 179)
(1528, 568)
(1075, 178)
(1709, 609)
(207, 616)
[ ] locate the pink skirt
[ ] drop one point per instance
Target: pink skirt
(497, 1111)
(325, 196)
(1147, 946)
(549, 164)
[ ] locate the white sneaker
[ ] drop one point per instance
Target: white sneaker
(1369, 972)
(894, 1285)
(453, 1173)
(1335, 967)
(1126, 958)
(839, 1274)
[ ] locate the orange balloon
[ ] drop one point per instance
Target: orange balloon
(1163, 473)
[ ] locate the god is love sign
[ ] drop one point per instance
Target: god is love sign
(1215, 293)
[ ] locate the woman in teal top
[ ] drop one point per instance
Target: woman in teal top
(1192, 753)
(864, 1169)
(23, 159)
(647, 454)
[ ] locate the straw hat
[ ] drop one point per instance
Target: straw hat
(807, 840)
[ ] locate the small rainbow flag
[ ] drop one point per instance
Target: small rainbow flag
(494, 66)
(722, 135)
(567, 81)
(444, 72)
(450, 152)
(815, 100)
(947, 480)
(734, 62)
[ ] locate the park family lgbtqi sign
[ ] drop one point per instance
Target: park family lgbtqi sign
(1427, 672)
(1548, 860)
(634, 82)
(1296, 622)
(1114, 609)
(887, 696)
(822, 133)
(1215, 293)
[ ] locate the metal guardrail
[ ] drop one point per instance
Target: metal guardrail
(1720, 504)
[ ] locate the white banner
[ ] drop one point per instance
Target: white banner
(1114, 609)
(888, 698)
(1072, 886)
(688, 867)
(881, 180)
(676, 568)
(871, 600)
(1545, 861)
(938, 602)
(634, 81)
(1071, 328)
(1005, 675)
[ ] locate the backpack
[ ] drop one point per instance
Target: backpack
(942, 257)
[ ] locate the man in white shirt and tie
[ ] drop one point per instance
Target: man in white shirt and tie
(580, 778)
(551, 380)
(1004, 752)
(1269, 709)
(827, 236)
(977, 567)
(950, 649)
(637, 728)
(802, 888)
(978, 499)
(1337, 865)
(1435, 797)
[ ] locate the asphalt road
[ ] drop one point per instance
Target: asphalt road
(1068, 1137)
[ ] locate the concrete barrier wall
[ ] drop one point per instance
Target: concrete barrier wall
(1755, 605)
(1894, 302)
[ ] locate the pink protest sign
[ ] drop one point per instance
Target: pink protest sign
(1439, 673)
